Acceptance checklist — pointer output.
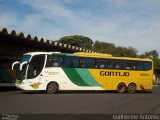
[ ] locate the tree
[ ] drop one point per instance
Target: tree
(156, 62)
(103, 47)
(110, 48)
(77, 40)
(153, 54)
(126, 52)
(150, 54)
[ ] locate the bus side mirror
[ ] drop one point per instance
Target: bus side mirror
(23, 63)
(17, 62)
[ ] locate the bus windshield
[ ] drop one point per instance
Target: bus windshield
(22, 73)
(35, 67)
(25, 58)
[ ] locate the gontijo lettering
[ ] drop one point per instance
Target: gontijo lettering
(111, 73)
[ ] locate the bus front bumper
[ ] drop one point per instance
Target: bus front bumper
(20, 85)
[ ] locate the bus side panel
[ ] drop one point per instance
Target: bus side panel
(101, 78)
(146, 82)
(109, 79)
(7, 76)
(81, 78)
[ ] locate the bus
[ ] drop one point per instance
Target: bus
(7, 75)
(54, 71)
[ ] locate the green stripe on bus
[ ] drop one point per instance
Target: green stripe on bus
(86, 77)
(65, 54)
(80, 76)
(74, 76)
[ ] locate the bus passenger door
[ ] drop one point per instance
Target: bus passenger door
(34, 73)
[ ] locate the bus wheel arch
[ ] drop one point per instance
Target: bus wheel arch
(132, 87)
(121, 87)
(52, 88)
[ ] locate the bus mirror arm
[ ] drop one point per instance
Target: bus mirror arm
(21, 66)
(17, 62)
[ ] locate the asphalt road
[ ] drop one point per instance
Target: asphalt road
(13, 101)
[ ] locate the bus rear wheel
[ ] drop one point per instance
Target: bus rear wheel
(52, 88)
(121, 88)
(131, 88)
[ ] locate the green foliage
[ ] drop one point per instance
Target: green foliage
(150, 54)
(156, 62)
(77, 40)
(109, 48)
(153, 54)
(103, 47)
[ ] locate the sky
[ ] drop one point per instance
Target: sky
(125, 23)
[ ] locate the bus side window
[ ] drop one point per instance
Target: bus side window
(95, 64)
(75, 62)
(67, 62)
(147, 65)
(116, 64)
(54, 61)
(108, 64)
(49, 62)
(81, 62)
(134, 66)
(128, 65)
(122, 65)
(86, 63)
(140, 66)
(101, 64)
(58, 61)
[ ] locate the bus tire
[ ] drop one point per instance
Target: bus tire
(132, 88)
(52, 88)
(121, 88)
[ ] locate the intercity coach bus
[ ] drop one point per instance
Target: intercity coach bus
(7, 75)
(54, 71)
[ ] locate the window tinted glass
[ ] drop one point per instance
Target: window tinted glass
(139, 65)
(25, 58)
(101, 63)
(128, 65)
(54, 61)
(95, 63)
(86, 63)
(75, 62)
(116, 64)
(59, 61)
(67, 62)
(147, 65)
(89, 63)
(35, 66)
(108, 64)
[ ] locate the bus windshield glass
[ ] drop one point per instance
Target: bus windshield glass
(22, 73)
(35, 66)
(25, 58)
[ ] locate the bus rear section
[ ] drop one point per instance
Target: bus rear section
(125, 75)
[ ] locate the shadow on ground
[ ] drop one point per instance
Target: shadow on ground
(8, 89)
(84, 91)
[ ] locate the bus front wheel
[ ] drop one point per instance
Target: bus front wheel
(121, 88)
(52, 88)
(131, 88)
